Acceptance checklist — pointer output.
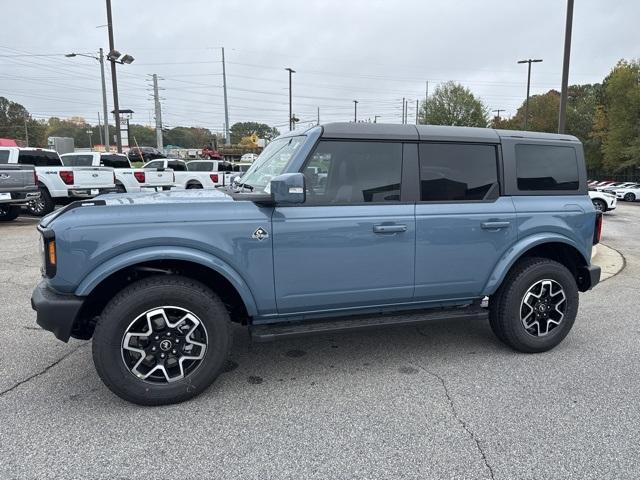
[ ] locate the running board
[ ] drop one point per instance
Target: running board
(266, 333)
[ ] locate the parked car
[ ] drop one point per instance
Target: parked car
(424, 220)
(602, 201)
(128, 179)
(144, 154)
(628, 194)
(58, 184)
(211, 153)
(189, 179)
(18, 186)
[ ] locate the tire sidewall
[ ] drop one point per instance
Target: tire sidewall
(9, 212)
(630, 197)
(546, 270)
(603, 205)
(47, 203)
(107, 342)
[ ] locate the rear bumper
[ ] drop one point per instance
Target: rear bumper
(20, 198)
(588, 277)
(55, 312)
(90, 192)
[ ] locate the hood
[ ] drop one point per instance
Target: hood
(144, 206)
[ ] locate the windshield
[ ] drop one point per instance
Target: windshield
(270, 163)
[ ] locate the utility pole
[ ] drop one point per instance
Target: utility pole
(227, 136)
(562, 118)
(318, 116)
(417, 106)
(26, 132)
(291, 71)
(156, 100)
(355, 111)
(114, 80)
(498, 110)
(426, 103)
(105, 111)
(403, 105)
(526, 106)
(100, 129)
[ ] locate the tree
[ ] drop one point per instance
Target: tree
(621, 129)
(453, 104)
(17, 123)
(245, 129)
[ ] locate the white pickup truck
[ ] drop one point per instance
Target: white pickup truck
(57, 183)
(185, 178)
(128, 179)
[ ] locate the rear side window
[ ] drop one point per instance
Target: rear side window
(39, 158)
(77, 160)
(4, 156)
(546, 167)
(200, 166)
(354, 172)
(453, 172)
(115, 161)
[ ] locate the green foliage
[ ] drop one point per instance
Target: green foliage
(453, 104)
(244, 129)
(16, 123)
(621, 132)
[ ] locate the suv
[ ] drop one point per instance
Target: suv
(144, 154)
(331, 229)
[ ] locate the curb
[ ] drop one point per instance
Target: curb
(608, 259)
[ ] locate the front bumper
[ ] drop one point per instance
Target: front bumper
(55, 312)
(90, 192)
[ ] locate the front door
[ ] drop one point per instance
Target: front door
(463, 225)
(351, 244)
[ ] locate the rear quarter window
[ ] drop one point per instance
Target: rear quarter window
(546, 167)
(39, 158)
(115, 161)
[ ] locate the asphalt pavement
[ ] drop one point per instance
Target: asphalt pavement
(444, 400)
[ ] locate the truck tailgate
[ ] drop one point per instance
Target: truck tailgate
(93, 177)
(15, 177)
(157, 178)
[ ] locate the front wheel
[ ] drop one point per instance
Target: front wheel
(629, 197)
(9, 212)
(599, 205)
(161, 340)
(536, 306)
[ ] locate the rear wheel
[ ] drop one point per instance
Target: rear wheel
(9, 212)
(42, 205)
(161, 340)
(192, 186)
(536, 306)
(629, 197)
(599, 205)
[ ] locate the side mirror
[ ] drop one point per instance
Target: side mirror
(288, 188)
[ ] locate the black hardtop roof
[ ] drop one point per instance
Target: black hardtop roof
(408, 132)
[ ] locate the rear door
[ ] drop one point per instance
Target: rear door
(463, 225)
(351, 244)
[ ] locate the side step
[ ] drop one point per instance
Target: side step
(266, 333)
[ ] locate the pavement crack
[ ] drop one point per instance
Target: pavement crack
(462, 423)
(43, 371)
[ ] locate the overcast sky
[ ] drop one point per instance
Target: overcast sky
(375, 52)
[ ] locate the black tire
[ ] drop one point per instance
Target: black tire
(43, 205)
(629, 197)
(599, 205)
(141, 297)
(192, 186)
(9, 212)
(507, 304)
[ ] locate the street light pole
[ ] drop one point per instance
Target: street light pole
(114, 81)
(105, 112)
(355, 111)
(291, 71)
(227, 135)
(526, 107)
(562, 117)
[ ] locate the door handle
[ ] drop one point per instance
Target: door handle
(389, 228)
(494, 225)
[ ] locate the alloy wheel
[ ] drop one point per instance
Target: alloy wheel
(543, 307)
(164, 344)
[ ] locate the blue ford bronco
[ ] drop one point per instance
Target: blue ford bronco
(331, 229)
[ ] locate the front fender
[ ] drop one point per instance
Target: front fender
(517, 250)
(141, 255)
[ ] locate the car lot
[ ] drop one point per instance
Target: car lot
(445, 400)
